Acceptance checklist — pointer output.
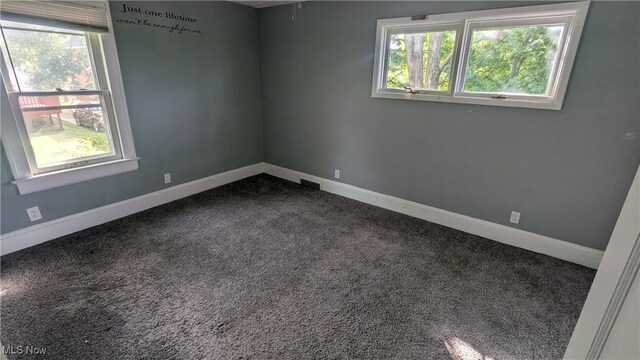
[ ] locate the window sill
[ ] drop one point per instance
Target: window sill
(546, 103)
(73, 176)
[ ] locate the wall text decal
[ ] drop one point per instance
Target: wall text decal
(177, 28)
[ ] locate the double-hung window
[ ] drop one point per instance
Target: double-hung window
(61, 74)
(507, 57)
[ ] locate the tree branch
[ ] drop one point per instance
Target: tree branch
(519, 57)
(446, 61)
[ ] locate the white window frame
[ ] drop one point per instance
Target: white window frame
(417, 28)
(572, 14)
(15, 140)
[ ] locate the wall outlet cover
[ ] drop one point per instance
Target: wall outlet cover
(167, 178)
(515, 217)
(34, 213)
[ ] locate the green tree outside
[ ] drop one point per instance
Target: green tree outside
(515, 59)
(45, 61)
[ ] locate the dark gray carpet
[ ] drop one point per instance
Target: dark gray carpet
(267, 269)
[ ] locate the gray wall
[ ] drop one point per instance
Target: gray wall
(194, 105)
(567, 171)
(194, 102)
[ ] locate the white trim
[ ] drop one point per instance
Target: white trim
(573, 13)
(33, 235)
(538, 243)
(611, 284)
(37, 234)
(617, 302)
(459, 99)
(74, 175)
(12, 141)
(116, 85)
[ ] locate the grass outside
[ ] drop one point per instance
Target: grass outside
(51, 144)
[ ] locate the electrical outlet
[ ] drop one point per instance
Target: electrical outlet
(515, 217)
(167, 178)
(34, 213)
(337, 175)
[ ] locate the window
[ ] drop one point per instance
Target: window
(61, 74)
(410, 67)
(508, 57)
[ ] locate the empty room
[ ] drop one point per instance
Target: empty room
(320, 180)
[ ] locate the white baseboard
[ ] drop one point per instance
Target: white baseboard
(537, 243)
(37, 234)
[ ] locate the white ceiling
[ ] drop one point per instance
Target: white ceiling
(262, 4)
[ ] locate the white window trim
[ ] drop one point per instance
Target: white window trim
(24, 177)
(465, 21)
(431, 27)
(56, 179)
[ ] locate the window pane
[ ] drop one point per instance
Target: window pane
(68, 135)
(45, 60)
(420, 60)
(517, 60)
